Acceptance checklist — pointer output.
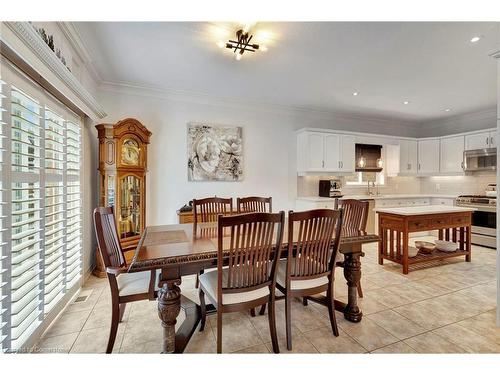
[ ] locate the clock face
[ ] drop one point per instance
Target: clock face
(130, 152)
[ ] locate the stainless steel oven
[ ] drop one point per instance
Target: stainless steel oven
(484, 219)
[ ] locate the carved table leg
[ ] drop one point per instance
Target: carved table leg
(169, 307)
(352, 273)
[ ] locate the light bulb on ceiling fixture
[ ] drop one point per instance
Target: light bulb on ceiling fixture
(221, 44)
(239, 56)
(380, 163)
(355, 93)
(362, 162)
(263, 48)
(475, 39)
(447, 110)
(406, 102)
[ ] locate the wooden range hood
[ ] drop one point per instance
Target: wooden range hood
(368, 158)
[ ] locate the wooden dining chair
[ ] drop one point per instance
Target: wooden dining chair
(354, 220)
(206, 211)
(310, 266)
(254, 204)
(251, 251)
(125, 287)
(205, 214)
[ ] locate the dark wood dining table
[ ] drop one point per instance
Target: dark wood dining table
(176, 252)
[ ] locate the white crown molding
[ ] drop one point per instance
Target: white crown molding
(202, 98)
(28, 35)
(75, 40)
(495, 54)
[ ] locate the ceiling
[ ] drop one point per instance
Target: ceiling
(314, 65)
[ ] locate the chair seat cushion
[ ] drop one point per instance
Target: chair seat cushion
(135, 282)
(297, 284)
(208, 281)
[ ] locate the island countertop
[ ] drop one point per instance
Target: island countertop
(423, 210)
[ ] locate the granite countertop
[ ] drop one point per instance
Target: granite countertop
(379, 197)
(424, 210)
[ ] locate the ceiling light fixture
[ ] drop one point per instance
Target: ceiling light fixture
(475, 39)
(447, 110)
(355, 93)
(406, 102)
(243, 44)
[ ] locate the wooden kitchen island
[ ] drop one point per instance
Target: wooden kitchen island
(395, 224)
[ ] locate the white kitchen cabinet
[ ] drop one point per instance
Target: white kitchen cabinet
(428, 156)
(408, 157)
(313, 204)
(325, 152)
(392, 160)
(348, 153)
(332, 152)
(480, 140)
(452, 155)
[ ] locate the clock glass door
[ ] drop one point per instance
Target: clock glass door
(130, 206)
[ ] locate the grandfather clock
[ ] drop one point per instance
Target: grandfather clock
(122, 179)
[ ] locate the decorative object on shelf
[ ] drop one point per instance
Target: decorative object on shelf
(244, 42)
(122, 174)
(49, 40)
(215, 153)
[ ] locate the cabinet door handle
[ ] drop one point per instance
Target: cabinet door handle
(491, 141)
(342, 164)
(487, 140)
(462, 164)
(323, 164)
(418, 166)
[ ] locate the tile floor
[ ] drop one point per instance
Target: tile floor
(445, 309)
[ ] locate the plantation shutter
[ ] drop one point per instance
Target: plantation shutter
(41, 208)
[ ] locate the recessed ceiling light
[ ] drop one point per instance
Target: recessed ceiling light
(475, 39)
(447, 110)
(355, 93)
(406, 102)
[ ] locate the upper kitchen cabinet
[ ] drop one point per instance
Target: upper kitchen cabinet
(477, 141)
(408, 157)
(325, 152)
(452, 154)
(428, 156)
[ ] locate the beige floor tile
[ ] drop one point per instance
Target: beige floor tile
(396, 348)
(56, 344)
(137, 332)
(409, 291)
(385, 279)
(237, 333)
(432, 343)
(388, 298)
(396, 324)
(261, 324)
(325, 342)
(203, 342)
(300, 345)
(68, 323)
(428, 314)
(96, 340)
(467, 339)
(485, 325)
(256, 349)
(370, 304)
(149, 347)
(369, 334)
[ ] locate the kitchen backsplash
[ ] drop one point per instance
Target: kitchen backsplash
(453, 185)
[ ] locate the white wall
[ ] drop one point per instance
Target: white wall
(269, 146)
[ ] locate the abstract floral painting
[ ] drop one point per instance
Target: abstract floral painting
(215, 153)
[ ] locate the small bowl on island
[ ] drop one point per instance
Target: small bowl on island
(425, 247)
(446, 246)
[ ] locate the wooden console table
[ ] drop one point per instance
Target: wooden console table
(453, 224)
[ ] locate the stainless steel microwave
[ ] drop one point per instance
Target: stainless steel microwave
(484, 159)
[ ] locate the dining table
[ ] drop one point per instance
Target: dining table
(177, 252)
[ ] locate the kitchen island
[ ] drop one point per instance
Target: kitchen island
(395, 225)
